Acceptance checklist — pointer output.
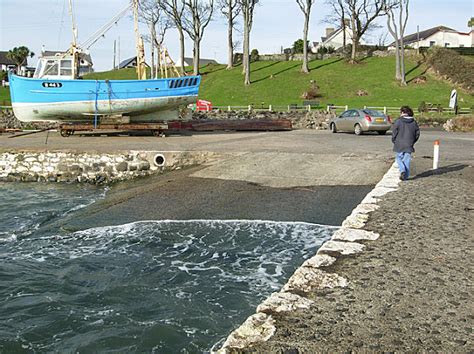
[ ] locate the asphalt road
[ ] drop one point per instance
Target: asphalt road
(453, 145)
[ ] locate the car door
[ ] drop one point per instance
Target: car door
(343, 121)
(353, 120)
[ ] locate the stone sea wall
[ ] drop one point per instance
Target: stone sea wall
(92, 168)
(313, 274)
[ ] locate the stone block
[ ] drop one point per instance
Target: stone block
(306, 280)
(284, 302)
(258, 328)
(344, 248)
(122, 167)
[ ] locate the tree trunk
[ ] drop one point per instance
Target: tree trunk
(230, 44)
(152, 49)
(305, 68)
(402, 42)
(397, 60)
(355, 44)
(355, 40)
(343, 26)
(246, 58)
(196, 57)
(394, 32)
(181, 46)
(402, 62)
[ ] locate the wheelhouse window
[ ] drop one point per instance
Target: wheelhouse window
(39, 67)
(51, 68)
(66, 67)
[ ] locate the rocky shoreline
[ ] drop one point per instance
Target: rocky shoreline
(407, 291)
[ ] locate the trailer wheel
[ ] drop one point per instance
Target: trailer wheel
(159, 133)
(65, 133)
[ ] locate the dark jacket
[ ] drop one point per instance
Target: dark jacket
(405, 133)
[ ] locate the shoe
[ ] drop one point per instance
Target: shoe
(402, 176)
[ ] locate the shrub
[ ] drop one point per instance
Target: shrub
(322, 50)
(453, 66)
(298, 46)
(312, 92)
(254, 56)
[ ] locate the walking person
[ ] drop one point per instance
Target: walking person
(405, 133)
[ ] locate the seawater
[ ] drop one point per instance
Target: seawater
(151, 286)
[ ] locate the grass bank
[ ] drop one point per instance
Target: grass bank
(282, 83)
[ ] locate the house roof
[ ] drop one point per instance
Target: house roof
(425, 34)
(202, 61)
(4, 59)
(126, 62)
(331, 36)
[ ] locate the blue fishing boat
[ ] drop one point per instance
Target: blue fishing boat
(57, 91)
(36, 99)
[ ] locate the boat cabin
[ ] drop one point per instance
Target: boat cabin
(59, 66)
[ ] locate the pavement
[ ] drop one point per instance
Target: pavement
(409, 291)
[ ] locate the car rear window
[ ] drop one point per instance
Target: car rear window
(373, 113)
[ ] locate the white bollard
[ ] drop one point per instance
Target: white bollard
(435, 155)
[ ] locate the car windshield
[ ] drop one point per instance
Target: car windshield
(373, 113)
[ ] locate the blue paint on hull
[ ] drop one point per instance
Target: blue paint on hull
(39, 99)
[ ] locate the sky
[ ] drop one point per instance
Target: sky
(277, 23)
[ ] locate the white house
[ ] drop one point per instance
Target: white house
(334, 38)
(441, 36)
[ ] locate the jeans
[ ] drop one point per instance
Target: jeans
(403, 161)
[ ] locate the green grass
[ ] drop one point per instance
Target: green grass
(282, 83)
(5, 96)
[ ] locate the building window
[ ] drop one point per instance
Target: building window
(446, 45)
(432, 43)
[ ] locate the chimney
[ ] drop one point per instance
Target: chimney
(329, 31)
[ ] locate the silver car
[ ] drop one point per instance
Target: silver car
(361, 120)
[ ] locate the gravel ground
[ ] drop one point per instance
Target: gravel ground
(410, 290)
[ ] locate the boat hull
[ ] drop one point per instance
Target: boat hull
(84, 100)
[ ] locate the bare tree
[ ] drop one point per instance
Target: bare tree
(362, 14)
(305, 6)
(248, 7)
(338, 17)
(199, 14)
(153, 14)
(230, 9)
(396, 24)
(175, 11)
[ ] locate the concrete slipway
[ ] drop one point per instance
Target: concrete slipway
(289, 176)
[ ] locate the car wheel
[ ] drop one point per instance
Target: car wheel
(333, 128)
(357, 129)
(381, 132)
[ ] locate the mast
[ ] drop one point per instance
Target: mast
(74, 42)
(141, 72)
